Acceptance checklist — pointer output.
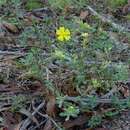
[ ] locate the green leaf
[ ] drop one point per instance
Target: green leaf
(117, 3)
(2, 2)
(95, 121)
(33, 4)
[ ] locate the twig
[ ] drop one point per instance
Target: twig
(10, 53)
(49, 118)
(86, 99)
(11, 58)
(111, 64)
(110, 93)
(106, 20)
(39, 125)
(29, 115)
(28, 121)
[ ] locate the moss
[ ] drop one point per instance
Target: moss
(3, 2)
(117, 3)
(33, 4)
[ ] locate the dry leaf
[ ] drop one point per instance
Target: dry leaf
(83, 14)
(17, 127)
(76, 122)
(125, 40)
(9, 119)
(2, 31)
(125, 91)
(126, 8)
(101, 129)
(30, 18)
(10, 27)
(5, 128)
(48, 125)
(51, 106)
(36, 85)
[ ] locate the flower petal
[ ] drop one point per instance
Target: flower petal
(67, 32)
(67, 37)
(62, 29)
(60, 38)
(58, 32)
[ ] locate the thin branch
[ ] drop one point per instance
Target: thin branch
(26, 123)
(10, 53)
(106, 20)
(85, 99)
(48, 118)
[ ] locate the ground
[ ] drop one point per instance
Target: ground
(64, 64)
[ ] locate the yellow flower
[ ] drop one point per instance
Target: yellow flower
(63, 34)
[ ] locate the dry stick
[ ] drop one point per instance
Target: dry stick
(39, 125)
(115, 40)
(15, 55)
(10, 53)
(11, 58)
(50, 118)
(110, 93)
(106, 20)
(4, 109)
(47, 117)
(29, 115)
(112, 64)
(85, 99)
(28, 121)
